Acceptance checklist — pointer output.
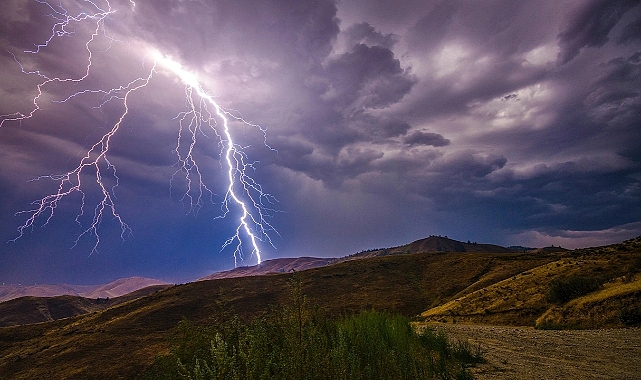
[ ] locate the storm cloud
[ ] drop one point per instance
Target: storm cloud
(502, 122)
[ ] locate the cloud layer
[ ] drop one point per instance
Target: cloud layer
(501, 122)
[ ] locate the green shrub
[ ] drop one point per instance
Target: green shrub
(299, 343)
(564, 289)
(370, 345)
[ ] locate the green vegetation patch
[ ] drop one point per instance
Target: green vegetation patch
(299, 343)
(369, 345)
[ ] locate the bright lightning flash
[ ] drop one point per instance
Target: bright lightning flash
(203, 115)
(239, 184)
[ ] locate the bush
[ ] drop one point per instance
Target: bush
(630, 316)
(633, 269)
(370, 345)
(298, 343)
(564, 289)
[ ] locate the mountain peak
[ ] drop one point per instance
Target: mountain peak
(444, 244)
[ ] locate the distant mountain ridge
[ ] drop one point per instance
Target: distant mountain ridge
(29, 309)
(433, 244)
(124, 286)
(444, 244)
(282, 265)
(429, 244)
(116, 288)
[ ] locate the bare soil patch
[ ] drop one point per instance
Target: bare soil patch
(526, 353)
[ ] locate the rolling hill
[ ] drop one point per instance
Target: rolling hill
(28, 309)
(485, 287)
(524, 299)
(113, 289)
(431, 244)
(284, 265)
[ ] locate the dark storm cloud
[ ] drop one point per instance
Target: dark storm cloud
(331, 169)
(467, 165)
(471, 54)
(274, 29)
(425, 138)
(615, 100)
(395, 128)
(591, 25)
(631, 31)
(433, 27)
(494, 66)
(497, 26)
(377, 129)
(366, 77)
(346, 87)
(389, 121)
(364, 33)
(578, 195)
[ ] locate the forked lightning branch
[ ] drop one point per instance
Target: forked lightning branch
(204, 117)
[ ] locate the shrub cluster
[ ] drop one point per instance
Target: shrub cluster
(633, 269)
(630, 316)
(562, 290)
(296, 343)
(370, 345)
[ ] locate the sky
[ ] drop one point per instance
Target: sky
(371, 124)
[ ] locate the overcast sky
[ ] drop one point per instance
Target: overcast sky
(513, 123)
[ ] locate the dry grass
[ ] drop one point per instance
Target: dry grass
(595, 310)
(521, 300)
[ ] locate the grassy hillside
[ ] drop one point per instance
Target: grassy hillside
(617, 304)
(123, 340)
(526, 299)
(501, 288)
(26, 310)
(113, 289)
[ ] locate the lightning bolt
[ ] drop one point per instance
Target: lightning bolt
(60, 29)
(203, 117)
(239, 184)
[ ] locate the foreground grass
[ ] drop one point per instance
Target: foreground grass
(370, 345)
(298, 343)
